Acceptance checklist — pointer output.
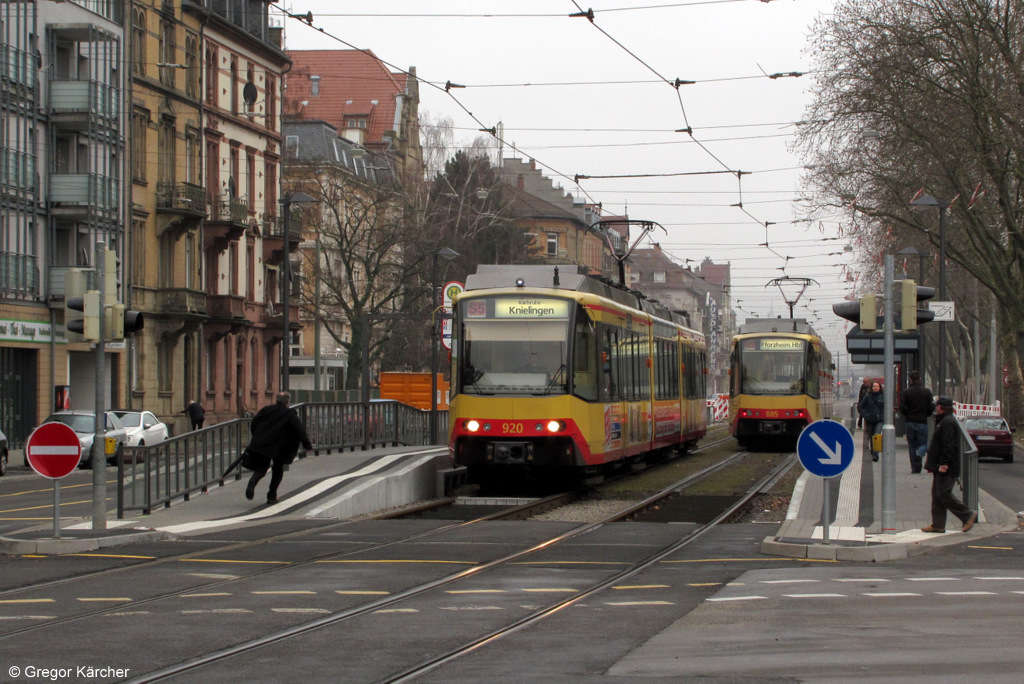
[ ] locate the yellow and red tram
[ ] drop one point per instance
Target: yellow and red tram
(781, 380)
(555, 373)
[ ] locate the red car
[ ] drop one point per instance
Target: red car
(992, 436)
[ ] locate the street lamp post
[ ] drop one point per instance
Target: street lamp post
(942, 205)
(286, 206)
(448, 254)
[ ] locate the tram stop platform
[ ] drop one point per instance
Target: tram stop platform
(855, 533)
(336, 485)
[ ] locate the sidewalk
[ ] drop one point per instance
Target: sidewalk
(337, 485)
(856, 530)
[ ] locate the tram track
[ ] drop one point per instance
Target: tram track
(391, 602)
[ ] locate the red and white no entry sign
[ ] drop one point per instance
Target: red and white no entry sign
(53, 450)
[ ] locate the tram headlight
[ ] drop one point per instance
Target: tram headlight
(556, 426)
(472, 425)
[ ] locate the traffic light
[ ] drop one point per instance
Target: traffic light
(81, 324)
(88, 324)
(131, 321)
(862, 312)
(910, 293)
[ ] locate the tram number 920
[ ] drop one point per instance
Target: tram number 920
(512, 428)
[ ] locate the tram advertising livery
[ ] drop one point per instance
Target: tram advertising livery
(781, 380)
(559, 375)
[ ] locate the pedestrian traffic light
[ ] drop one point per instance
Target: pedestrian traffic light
(910, 293)
(131, 321)
(88, 323)
(862, 312)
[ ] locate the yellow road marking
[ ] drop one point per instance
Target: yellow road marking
(995, 548)
(275, 593)
(27, 601)
(749, 560)
(704, 584)
(643, 586)
(49, 506)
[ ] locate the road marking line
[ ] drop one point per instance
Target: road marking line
(815, 595)
(28, 617)
(643, 586)
(216, 610)
(219, 593)
(704, 584)
(356, 592)
(551, 591)
(737, 598)
(110, 555)
(476, 591)
(638, 603)
(890, 594)
(966, 593)
(932, 579)
(28, 601)
(860, 579)
(100, 599)
(300, 610)
(994, 548)
(213, 575)
(397, 610)
(792, 581)
(1000, 579)
(470, 608)
(303, 592)
(227, 560)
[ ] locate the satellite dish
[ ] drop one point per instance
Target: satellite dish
(249, 93)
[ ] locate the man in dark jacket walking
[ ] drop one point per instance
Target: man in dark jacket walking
(276, 435)
(916, 405)
(865, 387)
(943, 463)
(196, 415)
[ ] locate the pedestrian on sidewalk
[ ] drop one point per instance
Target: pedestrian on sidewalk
(277, 432)
(943, 462)
(196, 415)
(916, 404)
(865, 387)
(872, 409)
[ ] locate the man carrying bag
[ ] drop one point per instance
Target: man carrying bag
(276, 435)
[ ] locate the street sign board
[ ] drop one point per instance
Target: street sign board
(451, 290)
(53, 450)
(825, 448)
(944, 311)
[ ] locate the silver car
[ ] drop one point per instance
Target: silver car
(82, 422)
(142, 427)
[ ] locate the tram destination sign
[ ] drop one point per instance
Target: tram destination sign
(531, 307)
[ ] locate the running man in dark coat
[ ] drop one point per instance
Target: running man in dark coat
(916, 405)
(276, 435)
(196, 415)
(943, 463)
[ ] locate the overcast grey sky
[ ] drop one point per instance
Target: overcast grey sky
(600, 103)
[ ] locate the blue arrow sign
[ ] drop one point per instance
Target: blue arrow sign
(825, 448)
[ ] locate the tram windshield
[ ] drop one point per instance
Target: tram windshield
(772, 365)
(513, 345)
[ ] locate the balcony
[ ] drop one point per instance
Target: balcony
(17, 170)
(79, 195)
(181, 302)
(17, 68)
(77, 104)
(227, 314)
(272, 230)
(183, 206)
(19, 274)
(226, 220)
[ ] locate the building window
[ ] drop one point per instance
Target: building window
(210, 363)
(165, 367)
(233, 269)
(269, 365)
(253, 373)
(233, 180)
(291, 146)
(140, 128)
(192, 64)
(138, 251)
(192, 157)
(167, 53)
(270, 189)
(191, 261)
(250, 272)
(166, 266)
(139, 42)
(167, 153)
(552, 244)
(212, 171)
(659, 276)
(211, 76)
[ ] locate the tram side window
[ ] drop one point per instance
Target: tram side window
(666, 370)
(703, 375)
(584, 360)
(812, 380)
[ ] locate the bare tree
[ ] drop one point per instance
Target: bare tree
(940, 84)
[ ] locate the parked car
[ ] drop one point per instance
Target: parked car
(142, 427)
(992, 436)
(82, 422)
(3, 453)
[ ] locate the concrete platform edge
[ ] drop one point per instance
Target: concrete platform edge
(65, 545)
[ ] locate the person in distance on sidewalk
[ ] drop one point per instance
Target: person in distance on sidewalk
(916, 405)
(943, 462)
(276, 435)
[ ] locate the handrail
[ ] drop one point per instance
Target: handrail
(156, 475)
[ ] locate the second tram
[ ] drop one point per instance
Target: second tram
(781, 380)
(555, 373)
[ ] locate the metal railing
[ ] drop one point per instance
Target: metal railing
(156, 475)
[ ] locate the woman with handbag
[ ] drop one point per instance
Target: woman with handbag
(872, 409)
